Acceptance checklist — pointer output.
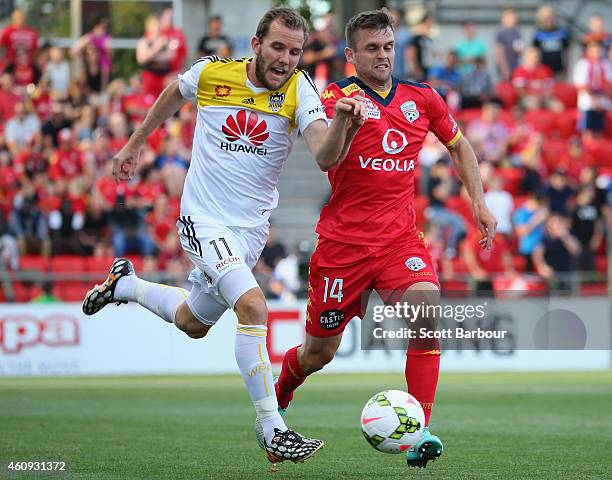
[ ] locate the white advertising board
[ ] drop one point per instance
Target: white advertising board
(57, 339)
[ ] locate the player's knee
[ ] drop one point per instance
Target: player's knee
(251, 308)
(186, 322)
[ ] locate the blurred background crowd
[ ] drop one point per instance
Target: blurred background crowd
(540, 123)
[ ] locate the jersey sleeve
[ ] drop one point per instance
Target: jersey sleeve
(441, 122)
(329, 97)
(309, 106)
(188, 81)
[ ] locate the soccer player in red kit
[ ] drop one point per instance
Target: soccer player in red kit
(367, 232)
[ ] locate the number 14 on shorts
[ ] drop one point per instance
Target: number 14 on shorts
(335, 291)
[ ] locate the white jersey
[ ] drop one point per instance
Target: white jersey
(243, 136)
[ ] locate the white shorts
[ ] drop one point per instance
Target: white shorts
(223, 258)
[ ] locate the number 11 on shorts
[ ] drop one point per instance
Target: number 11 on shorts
(336, 289)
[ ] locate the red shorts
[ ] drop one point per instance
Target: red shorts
(341, 276)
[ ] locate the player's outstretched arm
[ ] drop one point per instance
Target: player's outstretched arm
(466, 164)
(329, 144)
(166, 105)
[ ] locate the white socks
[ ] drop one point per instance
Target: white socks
(160, 299)
(254, 363)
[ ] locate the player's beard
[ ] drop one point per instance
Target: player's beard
(260, 74)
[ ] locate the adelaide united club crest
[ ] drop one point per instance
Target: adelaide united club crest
(409, 109)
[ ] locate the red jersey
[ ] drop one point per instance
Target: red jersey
(13, 38)
(534, 81)
(65, 164)
(491, 261)
(372, 201)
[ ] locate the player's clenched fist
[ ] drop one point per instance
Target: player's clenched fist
(354, 108)
(124, 163)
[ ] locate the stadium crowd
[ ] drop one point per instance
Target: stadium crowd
(541, 128)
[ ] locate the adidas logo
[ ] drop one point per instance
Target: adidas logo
(249, 101)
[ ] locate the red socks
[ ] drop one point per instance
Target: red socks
(422, 367)
(291, 377)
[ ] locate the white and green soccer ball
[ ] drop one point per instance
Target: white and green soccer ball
(392, 421)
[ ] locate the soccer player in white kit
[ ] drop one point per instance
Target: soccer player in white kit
(249, 114)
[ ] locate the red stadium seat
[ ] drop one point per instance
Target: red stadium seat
(463, 207)
(520, 263)
(469, 115)
(421, 203)
(67, 263)
(594, 289)
(507, 118)
(601, 263)
(567, 94)
(553, 152)
(459, 265)
(71, 291)
(22, 291)
(512, 177)
(601, 150)
(566, 123)
(34, 262)
(506, 93)
(73, 288)
(99, 266)
(543, 121)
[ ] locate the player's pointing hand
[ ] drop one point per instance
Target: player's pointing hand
(353, 108)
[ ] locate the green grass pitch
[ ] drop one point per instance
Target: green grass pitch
(494, 426)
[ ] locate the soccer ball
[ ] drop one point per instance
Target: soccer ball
(392, 421)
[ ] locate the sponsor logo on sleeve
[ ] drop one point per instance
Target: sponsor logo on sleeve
(331, 319)
(409, 109)
(353, 87)
(454, 123)
(318, 109)
(327, 94)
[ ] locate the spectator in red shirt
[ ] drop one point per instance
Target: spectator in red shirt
(8, 99)
(176, 40)
(160, 222)
(154, 55)
(24, 72)
(18, 35)
(137, 102)
(67, 161)
(534, 82)
(484, 265)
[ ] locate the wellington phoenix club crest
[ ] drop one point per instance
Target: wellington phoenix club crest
(275, 101)
(409, 109)
(246, 125)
